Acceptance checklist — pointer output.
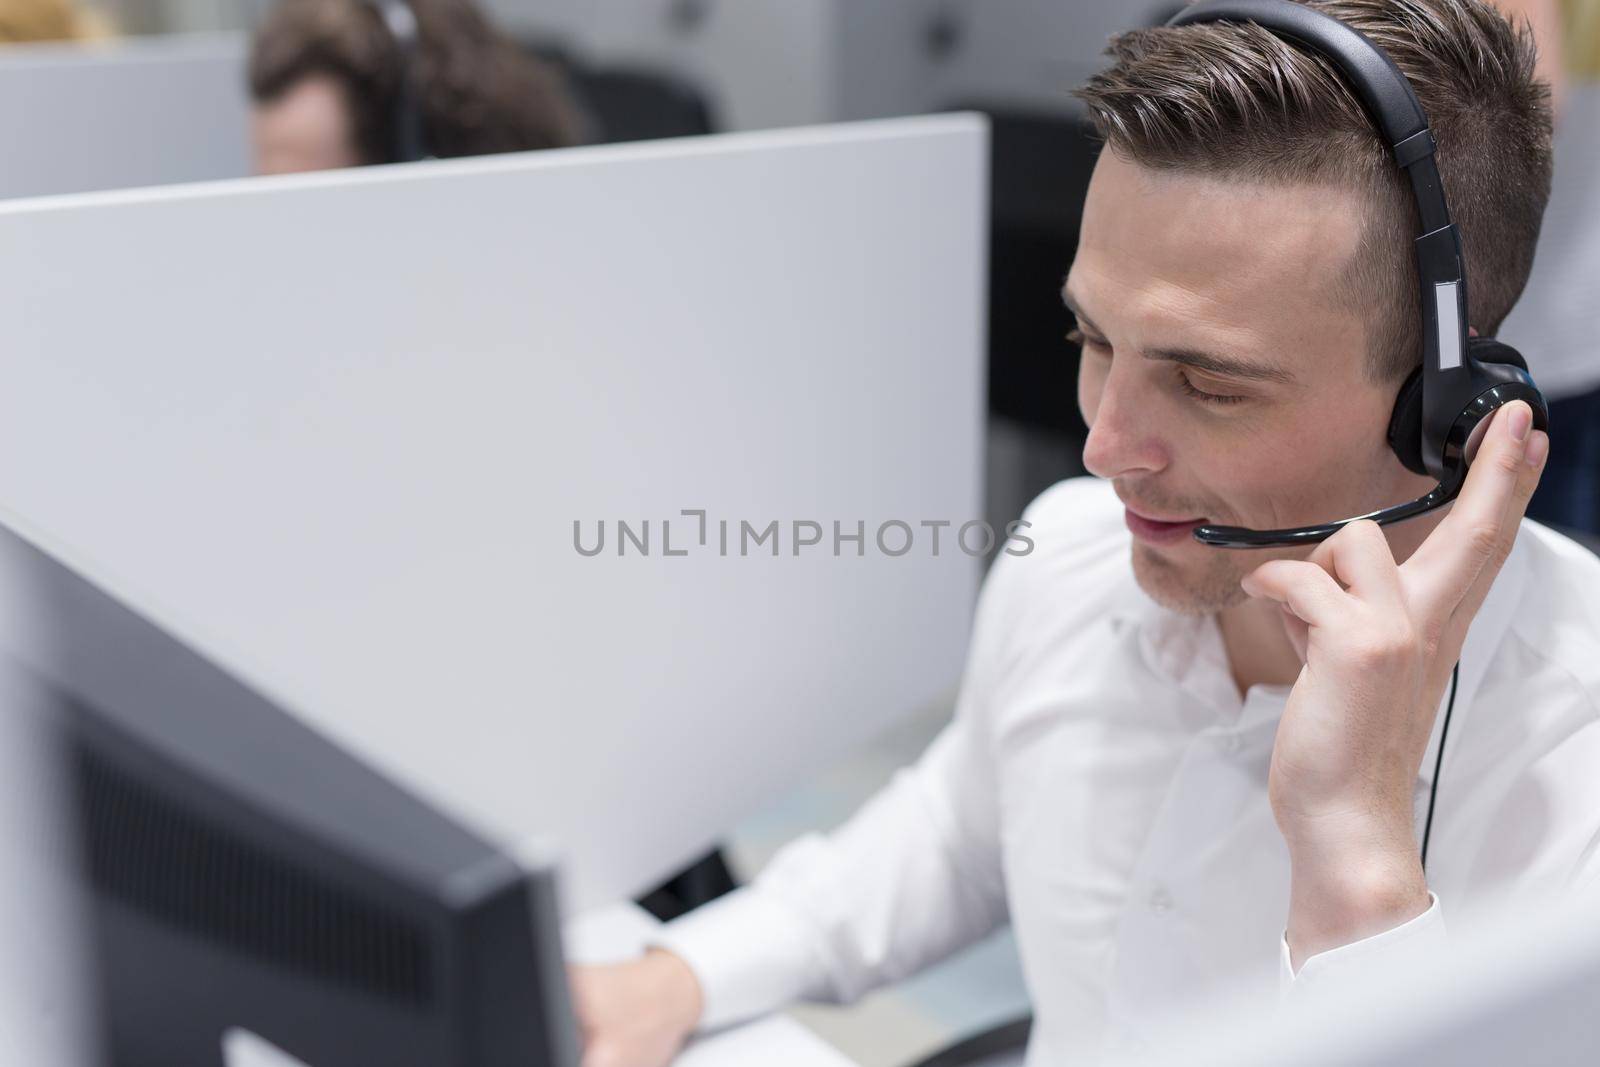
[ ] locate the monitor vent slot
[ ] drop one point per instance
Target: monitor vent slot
(171, 862)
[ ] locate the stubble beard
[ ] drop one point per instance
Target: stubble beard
(1205, 589)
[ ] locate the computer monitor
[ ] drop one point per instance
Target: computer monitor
(246, 884)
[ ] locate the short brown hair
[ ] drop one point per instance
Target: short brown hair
(476, 91)
(1236, 101)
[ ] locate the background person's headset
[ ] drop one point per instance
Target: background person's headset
(406, 141)
(1462, 380)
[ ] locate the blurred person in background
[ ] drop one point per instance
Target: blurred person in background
(1558, 321)
(47, 20)
(327, 78)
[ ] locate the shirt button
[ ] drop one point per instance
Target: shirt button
(1229, 743)
(1160, 901)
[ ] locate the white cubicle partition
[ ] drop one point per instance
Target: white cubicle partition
(117, 115)
(337, 431)
(1514, 985)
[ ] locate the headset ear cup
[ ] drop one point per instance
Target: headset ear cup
(1405, 424)
(1490, 350)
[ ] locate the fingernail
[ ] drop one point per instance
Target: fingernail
(1521, 420)
(1538, 448)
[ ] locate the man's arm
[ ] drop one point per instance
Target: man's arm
(913, 876)
(1379, 641)
(910, 878)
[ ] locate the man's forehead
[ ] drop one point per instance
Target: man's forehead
(1254, 263)
(1217, 231)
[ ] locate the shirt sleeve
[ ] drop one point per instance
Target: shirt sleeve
(911, 877)
(1352, 964)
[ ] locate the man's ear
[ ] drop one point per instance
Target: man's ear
(1472, 331)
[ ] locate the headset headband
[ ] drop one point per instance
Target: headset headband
(1368, 70)
(1389, 99)
(408, 144)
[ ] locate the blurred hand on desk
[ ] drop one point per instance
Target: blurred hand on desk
(635, 1014)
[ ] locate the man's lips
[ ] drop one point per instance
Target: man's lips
(1159, 531)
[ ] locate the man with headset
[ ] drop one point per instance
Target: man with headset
(1186, 772)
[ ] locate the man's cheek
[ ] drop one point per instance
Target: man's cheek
(1287, 496)
(1262, 486)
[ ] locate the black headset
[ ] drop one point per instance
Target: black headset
(407, 143)
(1463, 379)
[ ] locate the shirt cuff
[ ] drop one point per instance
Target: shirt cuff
(750, 953)
(1413, 939)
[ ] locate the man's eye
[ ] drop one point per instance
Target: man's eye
(1078, 338)
(1203, 396)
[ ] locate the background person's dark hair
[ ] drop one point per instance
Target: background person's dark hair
(476, 91)
(1235, 101)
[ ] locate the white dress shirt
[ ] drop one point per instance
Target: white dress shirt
(1104, 788)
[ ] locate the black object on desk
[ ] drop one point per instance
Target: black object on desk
(1000, 1045)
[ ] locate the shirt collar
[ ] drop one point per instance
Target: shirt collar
(1187, 650)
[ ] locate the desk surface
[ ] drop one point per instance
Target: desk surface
(619, 932)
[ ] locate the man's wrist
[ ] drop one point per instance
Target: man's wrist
(1338, 897)
(677, 989)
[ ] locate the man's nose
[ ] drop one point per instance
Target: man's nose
(1124, 436)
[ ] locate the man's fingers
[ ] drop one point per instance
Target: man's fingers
(1298, 632)
(1483, 520)
(1359, 557)
(1307, 589)
(1532, 468)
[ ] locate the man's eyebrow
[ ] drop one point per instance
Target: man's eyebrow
(1077, 312)
(1228, 366)
(1211, 362)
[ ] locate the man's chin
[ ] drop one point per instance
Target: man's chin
(1187, 582)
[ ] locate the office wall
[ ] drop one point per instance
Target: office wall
(763, 63)
(781, 62)
(1033, 52)
(146, 111)
(337, 430)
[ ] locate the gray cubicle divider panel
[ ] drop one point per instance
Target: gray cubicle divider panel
(353, 434)
(118, 115)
